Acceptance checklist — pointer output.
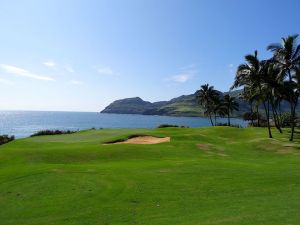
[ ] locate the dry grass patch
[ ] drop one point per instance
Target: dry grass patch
(204, 146)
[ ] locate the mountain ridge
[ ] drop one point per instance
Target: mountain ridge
(184, 105)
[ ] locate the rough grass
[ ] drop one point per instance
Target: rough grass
(215, 175)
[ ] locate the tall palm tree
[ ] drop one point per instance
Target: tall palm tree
(251, 75)
(206, 96)
(287, 56)
(273, 87)
(231, 105)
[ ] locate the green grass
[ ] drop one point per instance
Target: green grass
(183, 108)
(203, 176)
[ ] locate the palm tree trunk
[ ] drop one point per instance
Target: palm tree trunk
(293, 118)
(267, 113)
(292, 124)
(211, 120)
(228, 117)
(275, 115)
(280, 113)
(267, 117)
(215, 119)
(258, 124)
(251, 110)
(292, 110)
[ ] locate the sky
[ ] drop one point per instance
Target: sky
(80, 55)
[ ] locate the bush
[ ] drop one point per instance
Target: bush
(221, 124)
(52, 132)
(236, 125)
(170, 125)
(231, 125)
(166, 125)
(248, 116)
(94, 128)
(286, 119)
(5, 139)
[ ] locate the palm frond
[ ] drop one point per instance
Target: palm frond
(296, 52)
(252, 61)
(275, 47)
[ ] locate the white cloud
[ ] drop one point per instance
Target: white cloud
(6, 82)
(49, 63)
(23, 73)
(69, 68)
(190, 67)
(105, 71)
(76, 82)
(186, 73)
(181, 78)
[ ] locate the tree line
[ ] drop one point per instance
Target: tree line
(266, 83)
(215, 104)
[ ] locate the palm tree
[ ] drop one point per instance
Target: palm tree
(218, 107)
(250, 95)
(287, 56)
(231, 105)
(251, 75)
(273, 87)
(206, 96)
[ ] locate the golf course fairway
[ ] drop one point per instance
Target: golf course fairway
(217, 175)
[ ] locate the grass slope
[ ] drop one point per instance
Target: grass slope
(203, 176)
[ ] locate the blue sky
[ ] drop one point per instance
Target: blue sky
(81, 55)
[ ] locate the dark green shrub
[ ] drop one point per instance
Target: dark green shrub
(166, 125)
(170, 125)
(231, 125)
(250, 116)
(5, 139)
(286, 119)
(52, 132)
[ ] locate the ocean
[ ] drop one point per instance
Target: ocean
(24, 123)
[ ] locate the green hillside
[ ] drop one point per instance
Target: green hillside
(217, 175)
(185, 105)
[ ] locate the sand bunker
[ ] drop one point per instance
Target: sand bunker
(144, 140)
